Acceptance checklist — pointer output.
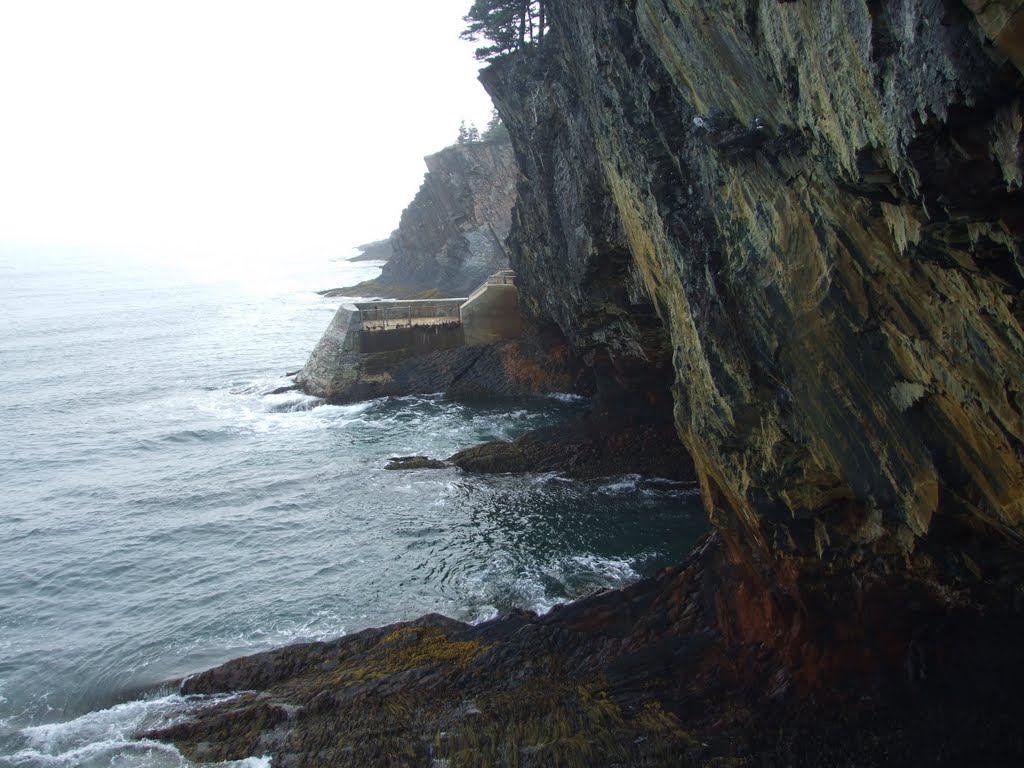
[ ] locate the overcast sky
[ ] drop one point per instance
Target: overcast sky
(224, 127)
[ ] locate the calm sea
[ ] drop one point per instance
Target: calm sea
(161, 513)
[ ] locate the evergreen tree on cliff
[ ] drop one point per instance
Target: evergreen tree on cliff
(507, 25)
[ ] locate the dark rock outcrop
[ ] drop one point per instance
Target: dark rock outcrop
(451, 237)
(582, 450)
(588, 449)
(378, 250)
(656, 674)
(414, 462)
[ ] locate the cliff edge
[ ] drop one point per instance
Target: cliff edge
(451, 236)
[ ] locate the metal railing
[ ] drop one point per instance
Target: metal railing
(385, 315)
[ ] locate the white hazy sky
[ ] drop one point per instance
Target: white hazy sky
(225, 129)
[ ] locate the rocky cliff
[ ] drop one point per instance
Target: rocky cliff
(378, 250)
(451, 237)
(821, 203)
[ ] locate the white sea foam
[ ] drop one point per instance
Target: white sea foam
(612, 568)
(625, 484)
(107, 737)
(632, 484)
(501, 587)
(352, 409)
(319, 625)
(566, 397)
(289, 402)
(248, 409)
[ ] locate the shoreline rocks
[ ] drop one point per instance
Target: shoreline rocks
(662, 672)
(580, 450)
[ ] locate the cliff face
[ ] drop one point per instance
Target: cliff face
(821, 203)
(451, 237)
(800, 225)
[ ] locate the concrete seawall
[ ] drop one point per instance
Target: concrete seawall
(491, 312)
(367, 342)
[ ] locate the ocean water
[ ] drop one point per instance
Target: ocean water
(160, 513)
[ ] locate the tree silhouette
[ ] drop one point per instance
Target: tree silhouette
(495, 129)
(468, 134)
(507, 25)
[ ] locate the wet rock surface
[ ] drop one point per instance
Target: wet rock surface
(584, 450)
(415, 462)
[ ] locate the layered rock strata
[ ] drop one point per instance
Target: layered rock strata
(822, 202)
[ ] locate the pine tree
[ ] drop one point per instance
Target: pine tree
(507, 25)
(495, 129)
(468, 134)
